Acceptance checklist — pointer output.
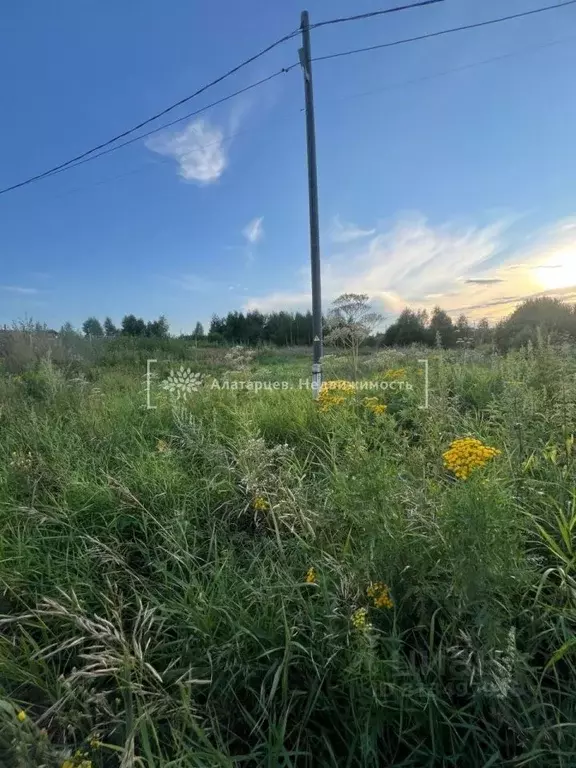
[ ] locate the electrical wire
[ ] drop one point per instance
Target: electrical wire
(372, 14)
(173, 122)
(165, 111)
(78, 158)
(452, 70)
(391, 86)
(388, 87)
(93, 153)
(477, 25)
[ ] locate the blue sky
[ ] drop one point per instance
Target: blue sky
(434, 188)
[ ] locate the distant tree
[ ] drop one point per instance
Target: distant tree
(482, 332)
(92, 328)
(133, 326)
(442, 328)
(110, 329)
(158, 328)
(350, 321)
(548, 317)
(408, 329)
(198, 331)
(67, 330)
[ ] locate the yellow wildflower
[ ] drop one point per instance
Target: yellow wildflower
(359, 619)
(466, 454)
(373, 405)
(334, 393)
(21, 715)
(95, 742)
(380, 594)
(67, 764)
(260, 504)
(311, 576)
(162, 446)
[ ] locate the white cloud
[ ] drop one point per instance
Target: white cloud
(466, 268)
(344, 232)
(254, 231)
(198, 149)
(19, 289)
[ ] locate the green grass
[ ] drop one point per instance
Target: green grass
(145, 603)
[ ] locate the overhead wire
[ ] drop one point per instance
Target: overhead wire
(78, 158)
(106, 147)
(441, 32)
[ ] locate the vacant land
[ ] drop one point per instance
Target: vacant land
(241, 577)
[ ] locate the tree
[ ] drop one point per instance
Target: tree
(350, 321)
(110, 329)
(408, 329)
(133, 326)
(441, 327)
(92, 328)
(546, 316)
(158, 328)
(198, 331)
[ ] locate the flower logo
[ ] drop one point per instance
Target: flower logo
(181, 382)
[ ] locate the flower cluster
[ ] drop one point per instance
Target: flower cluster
(334, 393)
(380, 594)
(373, 404)
(311, 577)
(162, 446)
(360, 619)
(395, 373)
(466, 454)
(260, 504)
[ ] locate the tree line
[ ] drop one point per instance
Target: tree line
(546, 316)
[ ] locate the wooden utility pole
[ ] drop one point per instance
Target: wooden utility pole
(305, 61)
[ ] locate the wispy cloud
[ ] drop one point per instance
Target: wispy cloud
(254, 231)
(198, 149)
(414, 263)
(19, 289)
(345, 232)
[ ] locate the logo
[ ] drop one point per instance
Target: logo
(181, 382)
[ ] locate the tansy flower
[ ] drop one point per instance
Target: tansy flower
(373, 405)
(311, 576)
(359, 619)
(21, 715)
(260, 504)
(380, 594)
(467, 454)
(334, 393)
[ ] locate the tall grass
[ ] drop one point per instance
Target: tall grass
(153, 614)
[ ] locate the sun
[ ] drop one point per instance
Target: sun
(559, 271)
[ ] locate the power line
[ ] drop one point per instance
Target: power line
(169, 125)
(372, 14)
(94, 154)
(79, 158)
(230, 137)
(154, 117)
(445, 31)
(452, 70)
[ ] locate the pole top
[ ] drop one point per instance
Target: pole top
(304, 20)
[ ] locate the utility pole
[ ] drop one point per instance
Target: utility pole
(305, 61)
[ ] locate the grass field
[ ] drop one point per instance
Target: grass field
(251, 579)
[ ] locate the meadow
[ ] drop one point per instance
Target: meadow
(253, 578)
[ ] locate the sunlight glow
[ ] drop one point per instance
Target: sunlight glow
(559, 271)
